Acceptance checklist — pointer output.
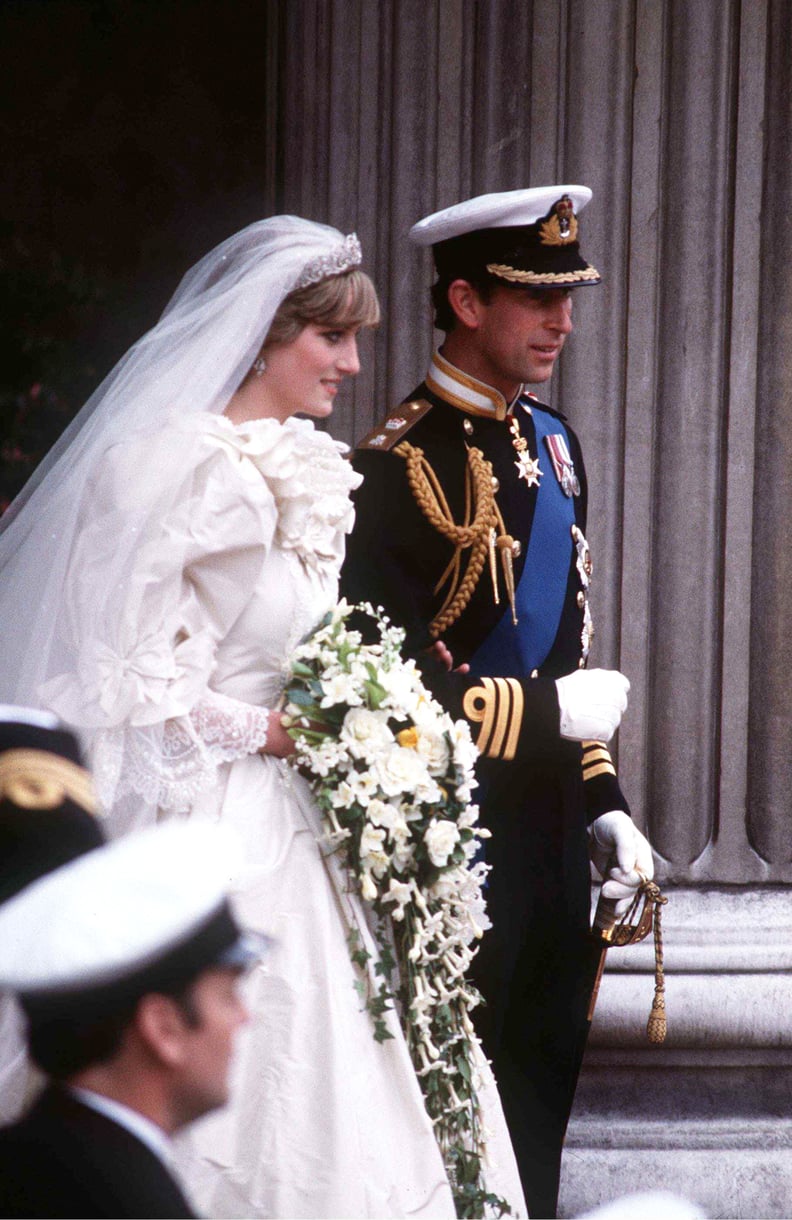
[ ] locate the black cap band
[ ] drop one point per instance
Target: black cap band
(173, 969)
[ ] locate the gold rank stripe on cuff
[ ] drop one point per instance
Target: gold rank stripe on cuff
(497, 705)
(596, 760)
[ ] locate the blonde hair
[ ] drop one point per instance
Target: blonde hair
(343, 300)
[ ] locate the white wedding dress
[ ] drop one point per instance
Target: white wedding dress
(323, 1121)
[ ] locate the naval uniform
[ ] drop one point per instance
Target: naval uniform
(66, 1159)
(538, 792)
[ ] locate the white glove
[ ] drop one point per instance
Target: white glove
(621, 855)
(591, 702)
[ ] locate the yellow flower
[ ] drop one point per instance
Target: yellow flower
(408, 738)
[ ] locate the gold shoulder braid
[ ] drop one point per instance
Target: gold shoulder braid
(37, 779)
(483, 532)
(632, 927)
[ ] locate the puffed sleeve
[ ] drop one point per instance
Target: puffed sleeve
(175, 531)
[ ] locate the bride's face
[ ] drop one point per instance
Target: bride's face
(304, 375)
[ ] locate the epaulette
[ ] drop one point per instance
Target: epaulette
(396, 424)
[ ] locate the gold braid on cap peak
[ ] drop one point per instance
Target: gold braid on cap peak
(36, 779)
(483, 532)
(516, 276)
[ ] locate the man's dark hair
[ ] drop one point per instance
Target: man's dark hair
(445, 318)
(64, 1043)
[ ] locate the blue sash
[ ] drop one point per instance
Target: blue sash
(511, 651)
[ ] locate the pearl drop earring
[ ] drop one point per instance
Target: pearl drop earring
(259, 365)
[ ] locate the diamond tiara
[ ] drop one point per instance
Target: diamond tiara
(345, 255)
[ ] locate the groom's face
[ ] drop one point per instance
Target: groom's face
(517, 334)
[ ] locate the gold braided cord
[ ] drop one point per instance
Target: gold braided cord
(632, 928)
(455, 563)
(656, 1026)
(473, 534)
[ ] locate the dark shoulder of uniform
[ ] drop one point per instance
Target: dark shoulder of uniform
(395, 426)
(533, 401)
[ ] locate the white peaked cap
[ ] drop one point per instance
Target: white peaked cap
(504, 209)
(10, 713)
(119, 910)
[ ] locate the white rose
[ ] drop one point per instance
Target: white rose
(441, 837)
(402, 770)
(433, 749)
(366, 733)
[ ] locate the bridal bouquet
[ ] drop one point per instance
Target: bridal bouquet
(392, 774)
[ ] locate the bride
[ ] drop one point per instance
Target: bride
(155, 575)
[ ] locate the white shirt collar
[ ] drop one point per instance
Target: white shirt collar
(145, 1130)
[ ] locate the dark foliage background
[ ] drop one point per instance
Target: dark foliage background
(133, 136)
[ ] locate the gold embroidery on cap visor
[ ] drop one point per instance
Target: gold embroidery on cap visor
(36, 779)
(552, 278)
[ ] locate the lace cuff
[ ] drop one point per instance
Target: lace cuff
(226, 728)
(172, 769)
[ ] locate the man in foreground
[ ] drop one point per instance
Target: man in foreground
(470, 531)
(125, 962)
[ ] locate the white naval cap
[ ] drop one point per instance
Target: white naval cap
(527, 237)
(11, 713)
(503, 209)
(145, 910)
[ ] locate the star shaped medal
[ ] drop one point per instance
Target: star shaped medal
(527, 467)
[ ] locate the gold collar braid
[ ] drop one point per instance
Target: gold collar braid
(36, 779)
(482, 532)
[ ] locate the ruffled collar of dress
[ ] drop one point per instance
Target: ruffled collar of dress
(308, 476)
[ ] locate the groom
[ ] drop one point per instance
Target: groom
(470, 531)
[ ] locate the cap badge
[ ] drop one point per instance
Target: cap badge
(561, 227)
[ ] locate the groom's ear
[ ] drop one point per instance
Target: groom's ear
(466, 303)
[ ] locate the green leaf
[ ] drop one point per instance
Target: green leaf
(301, 670)
(374, 693)
(301, 697)
(463, 1067)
